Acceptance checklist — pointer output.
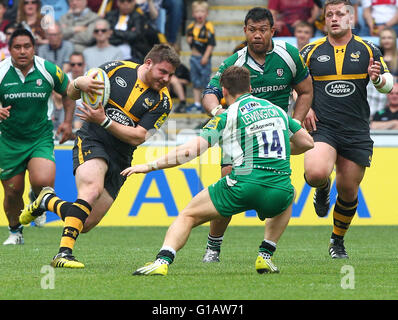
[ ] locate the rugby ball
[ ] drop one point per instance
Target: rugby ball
(94, 101)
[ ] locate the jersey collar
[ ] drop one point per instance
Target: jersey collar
(243, 96)
(253, 64)
(19, 72)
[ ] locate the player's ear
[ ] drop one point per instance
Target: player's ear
(224, 91)
(273, 31)
(148, 62)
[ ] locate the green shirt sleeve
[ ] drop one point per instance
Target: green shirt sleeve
(60, 78)
(293, 125)
(212, 131)
(302, 69)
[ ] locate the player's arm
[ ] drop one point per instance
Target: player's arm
(84, 83)
(180, 155)
(65, 128)
(131, 135)
(212, 95)
(211, 104)
(383, 82)
(209, 136)
(4, 112)
(301, 142)
(302, 84)
(300, 139)
(61, 83)
(305, 94)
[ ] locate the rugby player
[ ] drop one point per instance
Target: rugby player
(276, 68)
(260, 137)
(138, 105)
(341, 65)
(26, 129)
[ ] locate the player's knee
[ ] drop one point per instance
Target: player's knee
(218, 226)
(189, 218)
(316, 176)
(13, 193)
(90, 193)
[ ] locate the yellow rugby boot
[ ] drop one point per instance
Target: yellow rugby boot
(64, 260)
(33, 210)
(157, 268)
(265, 265)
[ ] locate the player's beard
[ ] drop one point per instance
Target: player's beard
(258, 48)
(338, 33)
(23, 64)
(155, 83)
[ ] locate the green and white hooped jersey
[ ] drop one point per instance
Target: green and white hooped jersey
(283, 68)
(255, 136)
(30, 98)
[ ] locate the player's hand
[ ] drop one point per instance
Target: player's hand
(91, 115)
(65, 128)
(89, 84)
(374, 69)
(139, 168)
(310, 121)
(4, 112)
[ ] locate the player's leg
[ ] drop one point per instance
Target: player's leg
(199, 210)
(217, 230)
(100, 208)
(113, 181)
(13, 204)
(41, 174)
(90, 185)
(318, 165)
(348, 178)
(274, 228)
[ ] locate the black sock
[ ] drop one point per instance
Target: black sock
(17, 228)
(267, 248)
(166, 255)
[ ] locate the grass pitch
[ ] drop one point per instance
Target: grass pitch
(111, 254)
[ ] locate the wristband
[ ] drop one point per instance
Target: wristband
(215, 110)
(153, 165)
(106, 123)
(388, 84)
(298, 121)
(74, 85)
(378, 81)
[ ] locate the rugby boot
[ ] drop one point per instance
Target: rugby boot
(322, 200)
(33, 210)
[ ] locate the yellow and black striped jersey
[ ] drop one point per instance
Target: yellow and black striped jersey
(340, 76)
(131, 103)
(201, 37)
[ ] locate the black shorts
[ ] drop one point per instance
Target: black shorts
(87, 148)
(357, 148)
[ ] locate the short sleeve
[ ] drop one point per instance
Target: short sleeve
(60, 78)
(212, 131)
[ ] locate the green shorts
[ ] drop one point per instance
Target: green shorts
(231, 197)
(15, 154)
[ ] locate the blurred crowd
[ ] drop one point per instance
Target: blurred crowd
(80, 34)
